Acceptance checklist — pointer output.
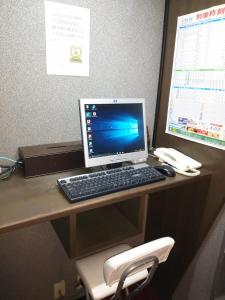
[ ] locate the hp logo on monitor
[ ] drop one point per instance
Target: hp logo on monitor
(114, 101)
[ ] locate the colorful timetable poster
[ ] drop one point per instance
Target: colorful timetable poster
(196, 108)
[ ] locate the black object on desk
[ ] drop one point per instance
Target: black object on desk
(166, 170)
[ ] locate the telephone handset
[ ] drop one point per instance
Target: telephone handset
(181, 163)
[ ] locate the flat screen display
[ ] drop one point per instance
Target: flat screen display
(113, 130)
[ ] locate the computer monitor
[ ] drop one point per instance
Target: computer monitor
(113, 130)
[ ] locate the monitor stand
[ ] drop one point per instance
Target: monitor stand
(115, 165)
(110, 166)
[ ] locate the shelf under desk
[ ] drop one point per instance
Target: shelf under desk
(86, 226)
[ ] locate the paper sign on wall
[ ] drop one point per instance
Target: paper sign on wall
(67, 39)
(197, 93)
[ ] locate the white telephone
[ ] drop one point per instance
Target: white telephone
(181, 163)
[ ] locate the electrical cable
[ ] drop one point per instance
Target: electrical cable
(10, 159)
(8, 170)
(190, 172)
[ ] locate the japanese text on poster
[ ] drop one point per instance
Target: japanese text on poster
(197, 93)
(67, 39)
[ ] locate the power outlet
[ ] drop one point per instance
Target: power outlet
(59, 289)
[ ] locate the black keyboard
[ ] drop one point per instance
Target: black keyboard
(86, 186)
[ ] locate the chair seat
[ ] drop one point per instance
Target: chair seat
(91, 272)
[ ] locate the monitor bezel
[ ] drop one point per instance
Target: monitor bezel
(111, 159)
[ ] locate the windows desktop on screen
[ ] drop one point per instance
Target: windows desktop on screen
(114, 128)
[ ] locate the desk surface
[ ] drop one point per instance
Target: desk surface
(30, 201)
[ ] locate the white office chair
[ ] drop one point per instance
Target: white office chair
(108, 272)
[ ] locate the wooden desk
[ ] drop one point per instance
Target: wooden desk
(86, 226)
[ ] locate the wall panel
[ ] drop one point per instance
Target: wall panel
(212, 158)
(198, 280)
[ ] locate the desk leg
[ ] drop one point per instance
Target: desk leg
(72, 235)
(142, 214)
(65, 229)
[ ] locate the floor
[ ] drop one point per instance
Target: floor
(146, 294)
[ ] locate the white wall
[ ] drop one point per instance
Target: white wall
(36, 108)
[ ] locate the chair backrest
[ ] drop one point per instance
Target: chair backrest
(115, 266)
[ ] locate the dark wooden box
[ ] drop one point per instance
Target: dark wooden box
(51, 158)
